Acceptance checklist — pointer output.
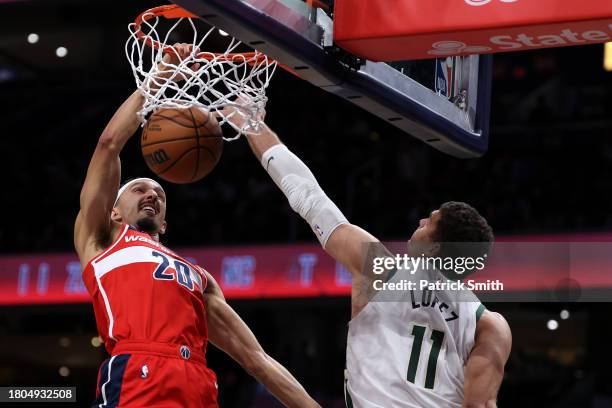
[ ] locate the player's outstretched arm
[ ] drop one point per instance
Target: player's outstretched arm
(340, 239)
(345, 242)
(227, 331)
(485, 366)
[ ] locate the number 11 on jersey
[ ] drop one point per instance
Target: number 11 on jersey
(437, 338)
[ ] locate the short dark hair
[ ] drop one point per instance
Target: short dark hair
(462, 232)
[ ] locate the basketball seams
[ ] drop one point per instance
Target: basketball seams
(212, 154)
(171, 119)
(178, 159)
(185, 153)
(183, 166)
(194, 124)
(178, 139)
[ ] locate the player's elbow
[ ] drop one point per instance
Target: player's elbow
(109, 141)
(254, 363)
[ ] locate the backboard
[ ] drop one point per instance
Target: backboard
(444, 103)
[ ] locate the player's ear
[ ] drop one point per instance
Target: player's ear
(115, 216)
(433, 248)
(162, 229)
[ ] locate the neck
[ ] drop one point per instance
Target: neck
(154, 235)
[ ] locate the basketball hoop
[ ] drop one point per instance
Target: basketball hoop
(221, 79)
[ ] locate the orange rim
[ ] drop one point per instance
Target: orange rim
(172, 11)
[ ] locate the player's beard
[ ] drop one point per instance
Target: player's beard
(148, 225)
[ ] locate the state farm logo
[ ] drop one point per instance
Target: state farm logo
(455, 47)
(520, 41)
(483, 2)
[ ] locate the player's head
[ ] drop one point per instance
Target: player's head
(454, 230)
(141, 203)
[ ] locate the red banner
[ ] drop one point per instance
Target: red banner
(283, 271)
(381, 30)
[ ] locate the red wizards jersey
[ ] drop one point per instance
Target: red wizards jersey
(144, 292)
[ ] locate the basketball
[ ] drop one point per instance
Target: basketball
(182, 145)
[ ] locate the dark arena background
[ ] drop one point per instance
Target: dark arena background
(548, 172)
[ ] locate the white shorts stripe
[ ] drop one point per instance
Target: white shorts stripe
(110, 363)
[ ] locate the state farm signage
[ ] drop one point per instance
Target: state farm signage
(439, 28)
(500, 43)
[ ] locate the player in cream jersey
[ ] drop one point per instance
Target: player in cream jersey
(411, 351)
(398, 356)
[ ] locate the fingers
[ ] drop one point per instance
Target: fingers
(220, 115)
(185, 50)
(176, 55)
(241, 116)
(179, 52)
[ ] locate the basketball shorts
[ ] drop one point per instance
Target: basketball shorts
(155, 375)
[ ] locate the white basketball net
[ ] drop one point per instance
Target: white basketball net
(222, 79)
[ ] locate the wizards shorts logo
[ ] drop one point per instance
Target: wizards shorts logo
(185, 352)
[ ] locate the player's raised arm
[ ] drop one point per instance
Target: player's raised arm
(103, 175)
(93, 226)
(484, 370)
(343, 241)
(227, 331)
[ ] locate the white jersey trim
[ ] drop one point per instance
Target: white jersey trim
(122, 257)
(141, 253)
(109, 312)
(114, 244)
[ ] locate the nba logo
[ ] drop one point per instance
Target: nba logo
(144, 371)
(444, 76)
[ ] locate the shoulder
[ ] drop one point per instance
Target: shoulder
(90, 244)
(212, 287)
(492, 330)
(493, 321)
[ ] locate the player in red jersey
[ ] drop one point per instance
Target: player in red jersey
(155, 310)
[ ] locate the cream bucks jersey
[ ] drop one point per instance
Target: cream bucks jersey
(410, 350)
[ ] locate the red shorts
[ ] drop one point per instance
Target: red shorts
(155, 375)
